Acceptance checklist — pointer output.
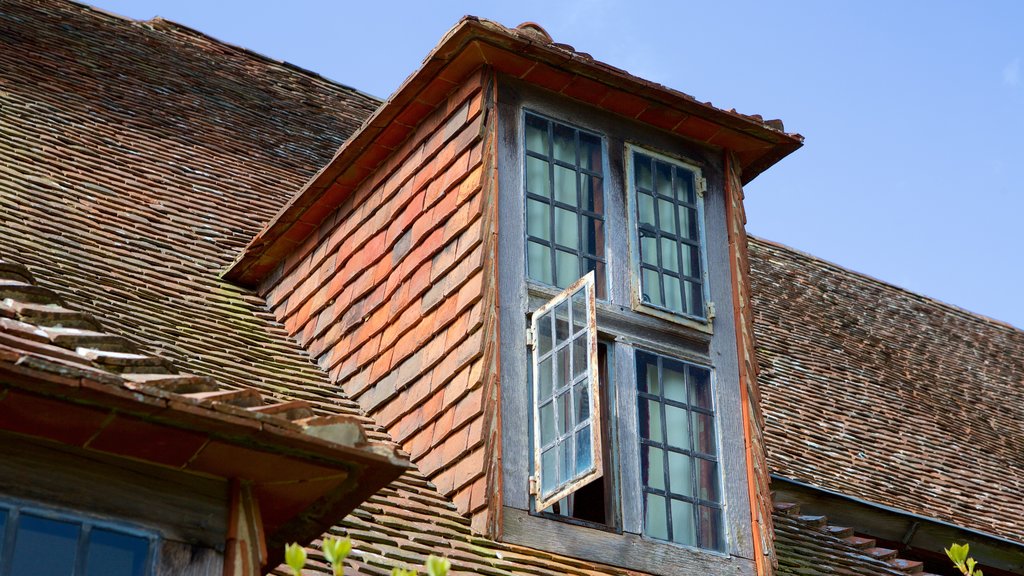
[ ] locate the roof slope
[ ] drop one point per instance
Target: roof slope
(136, 160)
(887, 395)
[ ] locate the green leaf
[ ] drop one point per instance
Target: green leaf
(402, 572)
(295, 557)
(437, 566)
(336, 550)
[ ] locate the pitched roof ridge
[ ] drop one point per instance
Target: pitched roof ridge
(953, 308)
(157, 22)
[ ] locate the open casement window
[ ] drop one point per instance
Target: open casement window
(667, 214)
(566, 433)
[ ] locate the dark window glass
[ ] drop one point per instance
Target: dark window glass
(115, 554)
(44, 546)
(679, 463)
(564, 187)
(68, 547)
(668, 236)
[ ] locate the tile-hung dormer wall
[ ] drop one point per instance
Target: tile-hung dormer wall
(393, 296)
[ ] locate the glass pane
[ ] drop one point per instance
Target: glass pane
(44, 546)
(651, 287)
(700, 387)
(547, 424)
(538, 179)
(666, 216)
(567, 265)
(642, 168)
(703, 433)
(565, 472)
(645, 209)
(114, 554)
(655, 518)
(579, 311)
(565, 185)
(673, 380)
(567, 228)
(696, 299)
(653, 467)
(590, 152)
(582, 395)
(580, 356)
(536, 134)
(669, 255)
(584, 457)
(544, 367)
(680, 473)
(691, 261)
(652, 427)
(599, 282)
(593, 236)
(663, 180)
(563, 421)
(565, 143)
(673, 294)
(647, 373)
(707, 478)
(648, 249)
(538, 261)
(688, 220)
(544, 334)
(564, 376)
(549, 470)
(592, 193)
(710, 528)
(678, 431)
(684, 185)
(682, 523)
(561, 322)
(538, 219)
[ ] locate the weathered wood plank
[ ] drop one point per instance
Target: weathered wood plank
(180, 506)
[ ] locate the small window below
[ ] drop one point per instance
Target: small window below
(678, 452)
(668, 234)
(564, 188)
(40, 542)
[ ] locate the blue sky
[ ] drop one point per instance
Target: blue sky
(913, 111)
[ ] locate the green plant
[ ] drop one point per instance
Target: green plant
(336, 550)
(295, 557)
(958, 554)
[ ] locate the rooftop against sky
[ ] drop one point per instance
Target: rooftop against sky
(910, 110)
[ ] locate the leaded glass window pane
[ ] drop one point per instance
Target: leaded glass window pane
(679, 462)
(564, 203)
(566, 438)
(668, 235)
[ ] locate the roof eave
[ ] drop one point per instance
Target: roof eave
(473, 43)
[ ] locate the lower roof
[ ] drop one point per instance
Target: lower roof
(887, 395)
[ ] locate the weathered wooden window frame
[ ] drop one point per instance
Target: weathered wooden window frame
(596, 469)
(14, 508)
(626, 330)
(705, 322)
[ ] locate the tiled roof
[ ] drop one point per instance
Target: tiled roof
(136, 160)
(809, 546)
(887, 395)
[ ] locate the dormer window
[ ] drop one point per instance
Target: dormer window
(622, 416)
